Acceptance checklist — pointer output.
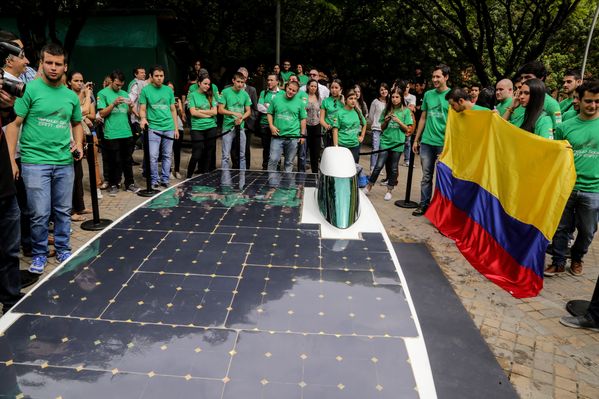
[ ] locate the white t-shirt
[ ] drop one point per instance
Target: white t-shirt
(374, 114)
(323, 91)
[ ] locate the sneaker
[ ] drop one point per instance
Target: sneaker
(132, 188)
(362, 181)
(37, 264)
(554, 270)
(419, 211)
(384, 181)
(104, 186)
(113, 191)
(177, 175)
(163, 184)
(388, 196)
(580, 322)
(99, 193)
(62, 256)
(155, 186)
(576, 268)
(366, 190)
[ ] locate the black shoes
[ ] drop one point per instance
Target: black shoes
(419, 211)
(28, 278)
(580, 322)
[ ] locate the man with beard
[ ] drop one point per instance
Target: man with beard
(572, 80)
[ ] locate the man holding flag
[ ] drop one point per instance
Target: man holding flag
(582, 133)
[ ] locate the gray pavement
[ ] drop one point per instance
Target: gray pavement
(542, 358)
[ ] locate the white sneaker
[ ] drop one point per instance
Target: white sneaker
(366, 190)
(100, 196)
(388, 196)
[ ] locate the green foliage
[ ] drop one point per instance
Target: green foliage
(355, 39)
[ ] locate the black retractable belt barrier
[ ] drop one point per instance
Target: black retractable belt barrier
(96, 223)
(149, 191)
(406, 203)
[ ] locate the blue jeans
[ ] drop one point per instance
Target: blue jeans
(428, 159)
(49, 192)
(281, 146)
(301, 156)
(226, 150)
(581, 211)
(160, 147)
(390, 159)
(10, 236)
(376, 143)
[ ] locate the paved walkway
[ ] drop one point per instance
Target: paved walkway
(542, 358)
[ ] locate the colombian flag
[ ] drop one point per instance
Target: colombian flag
(500, 193)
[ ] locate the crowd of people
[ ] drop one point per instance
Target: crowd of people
(294, 114)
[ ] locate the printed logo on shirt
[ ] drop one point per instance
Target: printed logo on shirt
(436, 112)
(287, 116)
(161, 104)
(56, 120)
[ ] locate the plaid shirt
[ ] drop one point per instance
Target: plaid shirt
(28, 75)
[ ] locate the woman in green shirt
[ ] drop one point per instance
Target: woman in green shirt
(395, 123)
(534, 119)
(349, 126)
(202, 107)
(328, 110)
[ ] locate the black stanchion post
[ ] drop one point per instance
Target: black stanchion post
(96, 223)
(406, 203)
(149, 191)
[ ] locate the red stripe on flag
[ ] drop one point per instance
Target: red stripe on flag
(481, 250)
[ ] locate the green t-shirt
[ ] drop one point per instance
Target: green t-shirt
(565, 106)
(235, 102)
(571, 113)
(158, 102)
(551, 107)
(543, 125)
(349, 124)
(287, 114)
(502, 106)
(331, 106)
(194, 87)
(200, 101)
(477, 107)
(116, 124)
(393, 135)
(583, 136)
(436, 107)
(47, 112)
(285, 75)
(303, 96)
(266, 97)
(303, 79)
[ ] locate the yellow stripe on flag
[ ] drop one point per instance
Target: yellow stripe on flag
(531, 176)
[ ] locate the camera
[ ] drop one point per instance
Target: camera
(14, 88)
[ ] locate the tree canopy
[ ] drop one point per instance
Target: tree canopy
(363, 41)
